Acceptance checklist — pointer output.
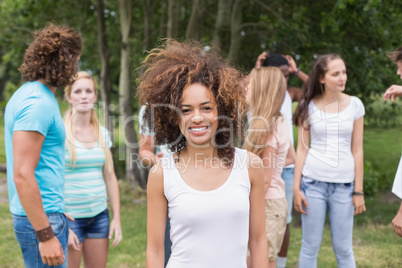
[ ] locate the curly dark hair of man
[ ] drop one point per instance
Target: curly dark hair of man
(53, 56)
(172, 67)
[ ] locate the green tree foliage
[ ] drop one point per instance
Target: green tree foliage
(361, 31)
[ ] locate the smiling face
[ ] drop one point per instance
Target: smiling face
(335, 78)
(83, 95)
(199, 119)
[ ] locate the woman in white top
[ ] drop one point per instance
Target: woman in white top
(213, 192)
(90, 178)
(329, 161)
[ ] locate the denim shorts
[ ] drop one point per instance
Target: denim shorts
(26, 237)
(94, 227)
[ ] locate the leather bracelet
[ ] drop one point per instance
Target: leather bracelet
(357, 193)
(296, 72)
(45, 234)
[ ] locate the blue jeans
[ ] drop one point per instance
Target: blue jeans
(337, 198)
(287, 176)
(94, 227)
(29, 243)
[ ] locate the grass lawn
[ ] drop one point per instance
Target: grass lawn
(375, 243)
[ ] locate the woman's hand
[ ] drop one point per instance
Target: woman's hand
(358, 202)
(298, 200)
(393, 92)
(115, 228)
(73, 242)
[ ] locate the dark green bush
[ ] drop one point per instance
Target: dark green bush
(383, 114)
(371, 179)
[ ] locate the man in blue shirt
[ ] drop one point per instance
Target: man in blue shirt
(34, 141)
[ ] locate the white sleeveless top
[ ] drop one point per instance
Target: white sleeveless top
(208, 228)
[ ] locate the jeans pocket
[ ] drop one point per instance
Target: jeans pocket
(59, 223)
(24, 231)
(306, 182)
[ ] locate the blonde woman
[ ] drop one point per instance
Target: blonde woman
(90, 178)
(268, 137)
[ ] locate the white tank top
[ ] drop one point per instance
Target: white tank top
(208, 228)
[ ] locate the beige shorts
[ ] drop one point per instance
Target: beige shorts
(276, 213)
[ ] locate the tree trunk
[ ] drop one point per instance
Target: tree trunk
(222, 25)
(235, 36)
(147, 24)
(173, 18)
(163, 20)
(194, 25)
(125, 97)
(105, 80)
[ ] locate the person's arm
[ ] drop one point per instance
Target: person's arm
(258, 241)
(27, 146)
(295, 93)
(291, 155)
(303, 144)
(261, 58)
(268, 161)
(156, 219)
(146, 150)
(296, 71)
(112, 188)
(393, 92)
(397, 222)
(357, 151)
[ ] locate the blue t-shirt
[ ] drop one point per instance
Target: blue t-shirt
(33, 107)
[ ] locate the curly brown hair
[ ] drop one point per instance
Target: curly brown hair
(52, 56)
(172, 67)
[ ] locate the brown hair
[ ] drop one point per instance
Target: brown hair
(268, 89)
(396, 55)
(172, 67)
(52, 56)
(312, 88)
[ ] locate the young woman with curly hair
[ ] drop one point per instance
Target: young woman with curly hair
(212, 192)
(90, 178)
(34, 139)
(269, 138)
(329, 161)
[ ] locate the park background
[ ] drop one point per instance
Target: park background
(117, 35)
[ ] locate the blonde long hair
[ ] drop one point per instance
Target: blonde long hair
(268, 89)
(94, 121)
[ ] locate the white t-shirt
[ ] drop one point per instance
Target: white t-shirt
(329, 157)
(287, 112)
(397, 186)
(208, 228)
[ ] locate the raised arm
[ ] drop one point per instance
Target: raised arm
(303, 144)
(27, 146)
(258, 241)
(393, 92)
(357, 151)
(260, 60)
(296, 71)
(156, 219)
(146, 150)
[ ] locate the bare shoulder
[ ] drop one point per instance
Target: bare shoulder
(255, 165)
(155, 177)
